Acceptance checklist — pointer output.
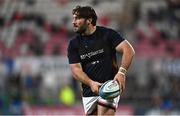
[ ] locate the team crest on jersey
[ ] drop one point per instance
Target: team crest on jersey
(90, 54)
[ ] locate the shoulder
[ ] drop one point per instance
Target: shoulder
(107, 30)
(74, 41)
(103, 29)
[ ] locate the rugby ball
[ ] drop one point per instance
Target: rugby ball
(109, 90)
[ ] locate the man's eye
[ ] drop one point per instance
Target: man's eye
(75, 18)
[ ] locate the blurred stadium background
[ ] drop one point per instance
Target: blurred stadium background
(34, 73)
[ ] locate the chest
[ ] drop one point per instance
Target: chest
(93, 49)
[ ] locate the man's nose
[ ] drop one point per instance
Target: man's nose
(73, 21)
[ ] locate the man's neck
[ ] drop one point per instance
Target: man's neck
(90, 30)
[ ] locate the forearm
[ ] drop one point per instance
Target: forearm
(82, 77)
(127, 54)
(127, 58)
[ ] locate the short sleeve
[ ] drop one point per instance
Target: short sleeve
(73, 55)
(115, 38)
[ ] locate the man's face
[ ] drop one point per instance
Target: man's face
(79, 24)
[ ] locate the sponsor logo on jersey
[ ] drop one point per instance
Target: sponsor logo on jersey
(90, 54)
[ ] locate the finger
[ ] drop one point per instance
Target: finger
(123, 87)
(99, 84)
(114, 79)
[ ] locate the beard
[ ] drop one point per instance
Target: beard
(81, 29)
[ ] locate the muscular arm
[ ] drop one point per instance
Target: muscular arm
(127, 56)
(127, 53)
(81, 76)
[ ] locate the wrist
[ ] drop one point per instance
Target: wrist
(122, 71)
(91, 82)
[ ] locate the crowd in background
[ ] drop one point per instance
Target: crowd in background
(42, 28)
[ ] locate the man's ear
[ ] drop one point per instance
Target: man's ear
(89, 20)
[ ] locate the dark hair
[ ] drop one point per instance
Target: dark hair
(85, 12)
